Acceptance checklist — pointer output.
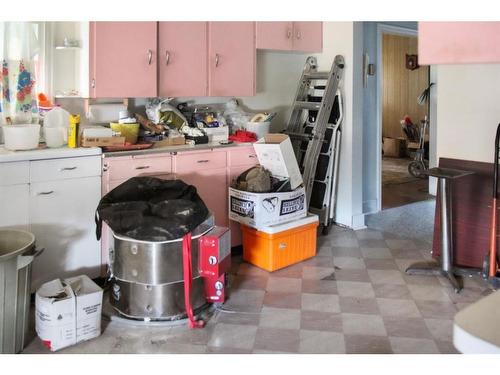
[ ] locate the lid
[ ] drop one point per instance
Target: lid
(14, 242)
(272, 229)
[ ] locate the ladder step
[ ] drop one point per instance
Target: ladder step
(302, 136)
(317, 75)
(313, 106)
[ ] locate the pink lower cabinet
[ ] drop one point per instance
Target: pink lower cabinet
(458, 42)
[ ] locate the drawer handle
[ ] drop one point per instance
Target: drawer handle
(203, 161)
(45, 192)
(67, 169)
(167, 57)
(150, 56)
(288, 33)
(142, 167)
(299, 35)
(252, 156)
(282, 246)
(216, 60)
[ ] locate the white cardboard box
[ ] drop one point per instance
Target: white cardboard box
(263, 209)
(217, 134)
(68, 312)
(275, 153)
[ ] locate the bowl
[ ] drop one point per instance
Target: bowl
(21, 137)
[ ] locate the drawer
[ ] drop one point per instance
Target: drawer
(14, 173)
(61, 169)
(243, 156)
(127, 168)
(185, 163)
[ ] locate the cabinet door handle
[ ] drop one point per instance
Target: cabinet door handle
(142, 167)
(67, 169)
(216, 60)
(203, 161)
(252, 156)
(167, 57)
(92, 83)
(299, 35)
(45, 192)
(150, 56)
(288, 33)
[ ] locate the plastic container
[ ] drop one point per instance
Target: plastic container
(17, 251)
(55, 136)
(259, 128)
(21, 137)
(279, 246)
(129, 131)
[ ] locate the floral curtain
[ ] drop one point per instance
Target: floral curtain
(19, 56)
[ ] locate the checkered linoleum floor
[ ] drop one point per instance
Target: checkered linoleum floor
(353, 297)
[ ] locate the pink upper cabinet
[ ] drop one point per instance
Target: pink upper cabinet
(123, 59)
(308, 36)
(231, 58)
(274, 35)
(182, 50)
(458, 42)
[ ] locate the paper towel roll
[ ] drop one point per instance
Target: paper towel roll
(104, 113)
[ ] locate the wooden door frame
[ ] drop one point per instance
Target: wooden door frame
(395, 30)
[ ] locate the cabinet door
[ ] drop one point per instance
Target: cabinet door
(182, 58)
(123, 59)
(274, 35)
(231, 58)
(458, 42)
(62, 220)
(14, 200)
(308, 36)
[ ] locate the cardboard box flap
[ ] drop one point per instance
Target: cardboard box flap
(82, 285)
(55, 291)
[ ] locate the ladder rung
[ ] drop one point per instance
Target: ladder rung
(313, 106)
(303, 136)
(317, 75)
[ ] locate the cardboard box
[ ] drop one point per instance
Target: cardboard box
(394, 147)
(263, 209)
(102, 141)
(217, 134)
(68, 312)
(176, 141)
(275, 153)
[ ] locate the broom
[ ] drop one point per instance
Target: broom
(493, 264)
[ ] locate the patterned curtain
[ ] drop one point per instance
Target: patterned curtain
(19, 56)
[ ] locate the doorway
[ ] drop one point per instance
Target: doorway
(404, 132)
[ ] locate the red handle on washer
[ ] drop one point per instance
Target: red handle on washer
(188, 281)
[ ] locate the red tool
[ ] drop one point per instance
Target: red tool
(214, 261)
(491, 263)
(243, 136)
(188, 281)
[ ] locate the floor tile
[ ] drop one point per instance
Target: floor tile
(392, 291)
(285, 340)
(251, 270)
(420, 280)
(320, 302)
(398, 307)
(223, 350)
(435, 309)
(406, 327)
(363, 324)
(367, 344)
(233, 336)
(283, 300)
(352, 275)
(184, 335)
(368, 234)
(319, 286)
(372, 243)
(355, 289)
(381, 264)
(407, 254)
(318, 342)
(446, 347)
(344, 240)
(320, 321)
(176, 348)
(376, 253)
(441, 329)
(294, 271)
(354, 252)
(245, 298)
(326, 262)
(358, 305)
(386, 277)
(280, 318)
(406, 345)
(398, 244)
(284, 284)
(324, 251)
(349, 263)
(248, 282)
(240, 317)
(316, 273)
(428, 293)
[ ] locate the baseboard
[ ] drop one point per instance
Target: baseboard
(358, 222)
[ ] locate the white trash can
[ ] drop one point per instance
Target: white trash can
(17, 251)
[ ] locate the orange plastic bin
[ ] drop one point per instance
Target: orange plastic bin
(279, 246)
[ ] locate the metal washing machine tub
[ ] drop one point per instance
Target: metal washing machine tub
(147, 278)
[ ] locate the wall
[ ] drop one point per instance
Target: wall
(468, 112)
(401, 86)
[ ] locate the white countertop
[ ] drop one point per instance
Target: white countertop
(46, 153)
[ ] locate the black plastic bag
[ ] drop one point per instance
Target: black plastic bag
(151, 209)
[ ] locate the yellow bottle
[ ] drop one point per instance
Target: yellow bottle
(74, 127)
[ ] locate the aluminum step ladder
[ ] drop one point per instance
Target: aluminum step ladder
(314, 127)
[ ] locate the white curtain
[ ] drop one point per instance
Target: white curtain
(20, 59)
